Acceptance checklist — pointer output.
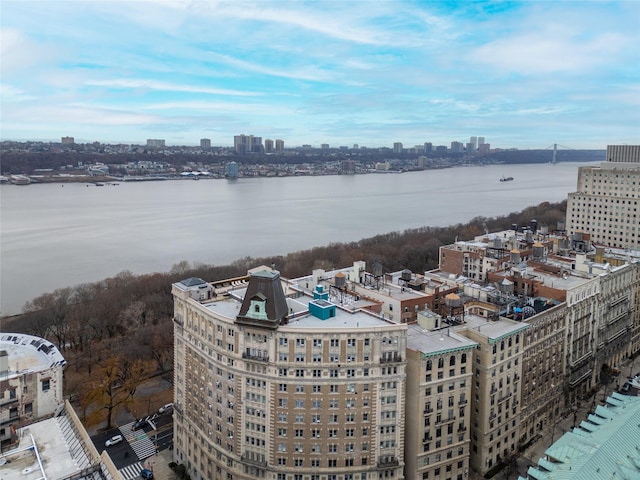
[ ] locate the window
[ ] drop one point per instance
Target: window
(46, 384)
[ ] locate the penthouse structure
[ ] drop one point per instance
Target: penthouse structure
(30, 381)
(271, 383)
(604, 208)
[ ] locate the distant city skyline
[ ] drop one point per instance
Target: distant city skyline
(521, 74)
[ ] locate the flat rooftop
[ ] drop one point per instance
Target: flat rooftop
(347, 317)
(492, 330)
(29, 354)
(43, 452)
(565, 282)
(437, 341)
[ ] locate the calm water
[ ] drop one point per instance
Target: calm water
(55, 236)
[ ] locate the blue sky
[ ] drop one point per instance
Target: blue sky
(521, 74)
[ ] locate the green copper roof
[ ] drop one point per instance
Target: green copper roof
(605, 447)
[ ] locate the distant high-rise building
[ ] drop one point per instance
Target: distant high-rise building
(231, 170)
(397, 147)
(606, 204)
(428, 147)
(480, 141)
(484, 148)
(242, 144)
(67, 140)
(355, 146)
(324, 146)
(268, 145)
(256, 145)
(155, 143)
(456, 147)
(348, 166)
(470, 147)
(279, 146)
(205, 143)
(474, 142)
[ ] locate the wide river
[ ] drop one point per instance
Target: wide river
(55, 235)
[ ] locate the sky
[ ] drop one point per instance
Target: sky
(521, 74)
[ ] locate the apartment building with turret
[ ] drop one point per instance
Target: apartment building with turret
(273, 383)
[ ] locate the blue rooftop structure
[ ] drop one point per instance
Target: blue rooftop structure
(605, 447)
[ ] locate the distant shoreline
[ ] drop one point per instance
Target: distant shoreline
(114, 180)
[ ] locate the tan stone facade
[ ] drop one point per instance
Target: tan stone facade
(308, 399)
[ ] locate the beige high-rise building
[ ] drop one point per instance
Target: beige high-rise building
(270, 383)
(606, 204)
(439, 380)
(268, 146)
(497, 383)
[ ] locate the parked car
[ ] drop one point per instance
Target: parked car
(113, 440)
(146, 474)
(166, 408)
(139, 424)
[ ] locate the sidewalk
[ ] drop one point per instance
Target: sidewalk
(159, 465)
(552, 433)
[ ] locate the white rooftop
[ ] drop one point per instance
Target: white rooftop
(436, 341)
(43, 452)
(492, 330)
(347, 316)
(29, 354)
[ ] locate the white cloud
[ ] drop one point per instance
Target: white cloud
(168, 87)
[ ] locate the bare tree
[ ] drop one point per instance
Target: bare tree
(56, 306)
(115, 385)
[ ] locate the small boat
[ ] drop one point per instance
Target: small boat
(19, 179)
(506, 179)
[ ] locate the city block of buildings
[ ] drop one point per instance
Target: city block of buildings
(357, 373)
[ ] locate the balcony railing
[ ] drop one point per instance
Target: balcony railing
(253, 461)
(388, 462)
(260, 358)
(395, 358)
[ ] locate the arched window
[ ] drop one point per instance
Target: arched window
(452, 360)
(429, 365)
